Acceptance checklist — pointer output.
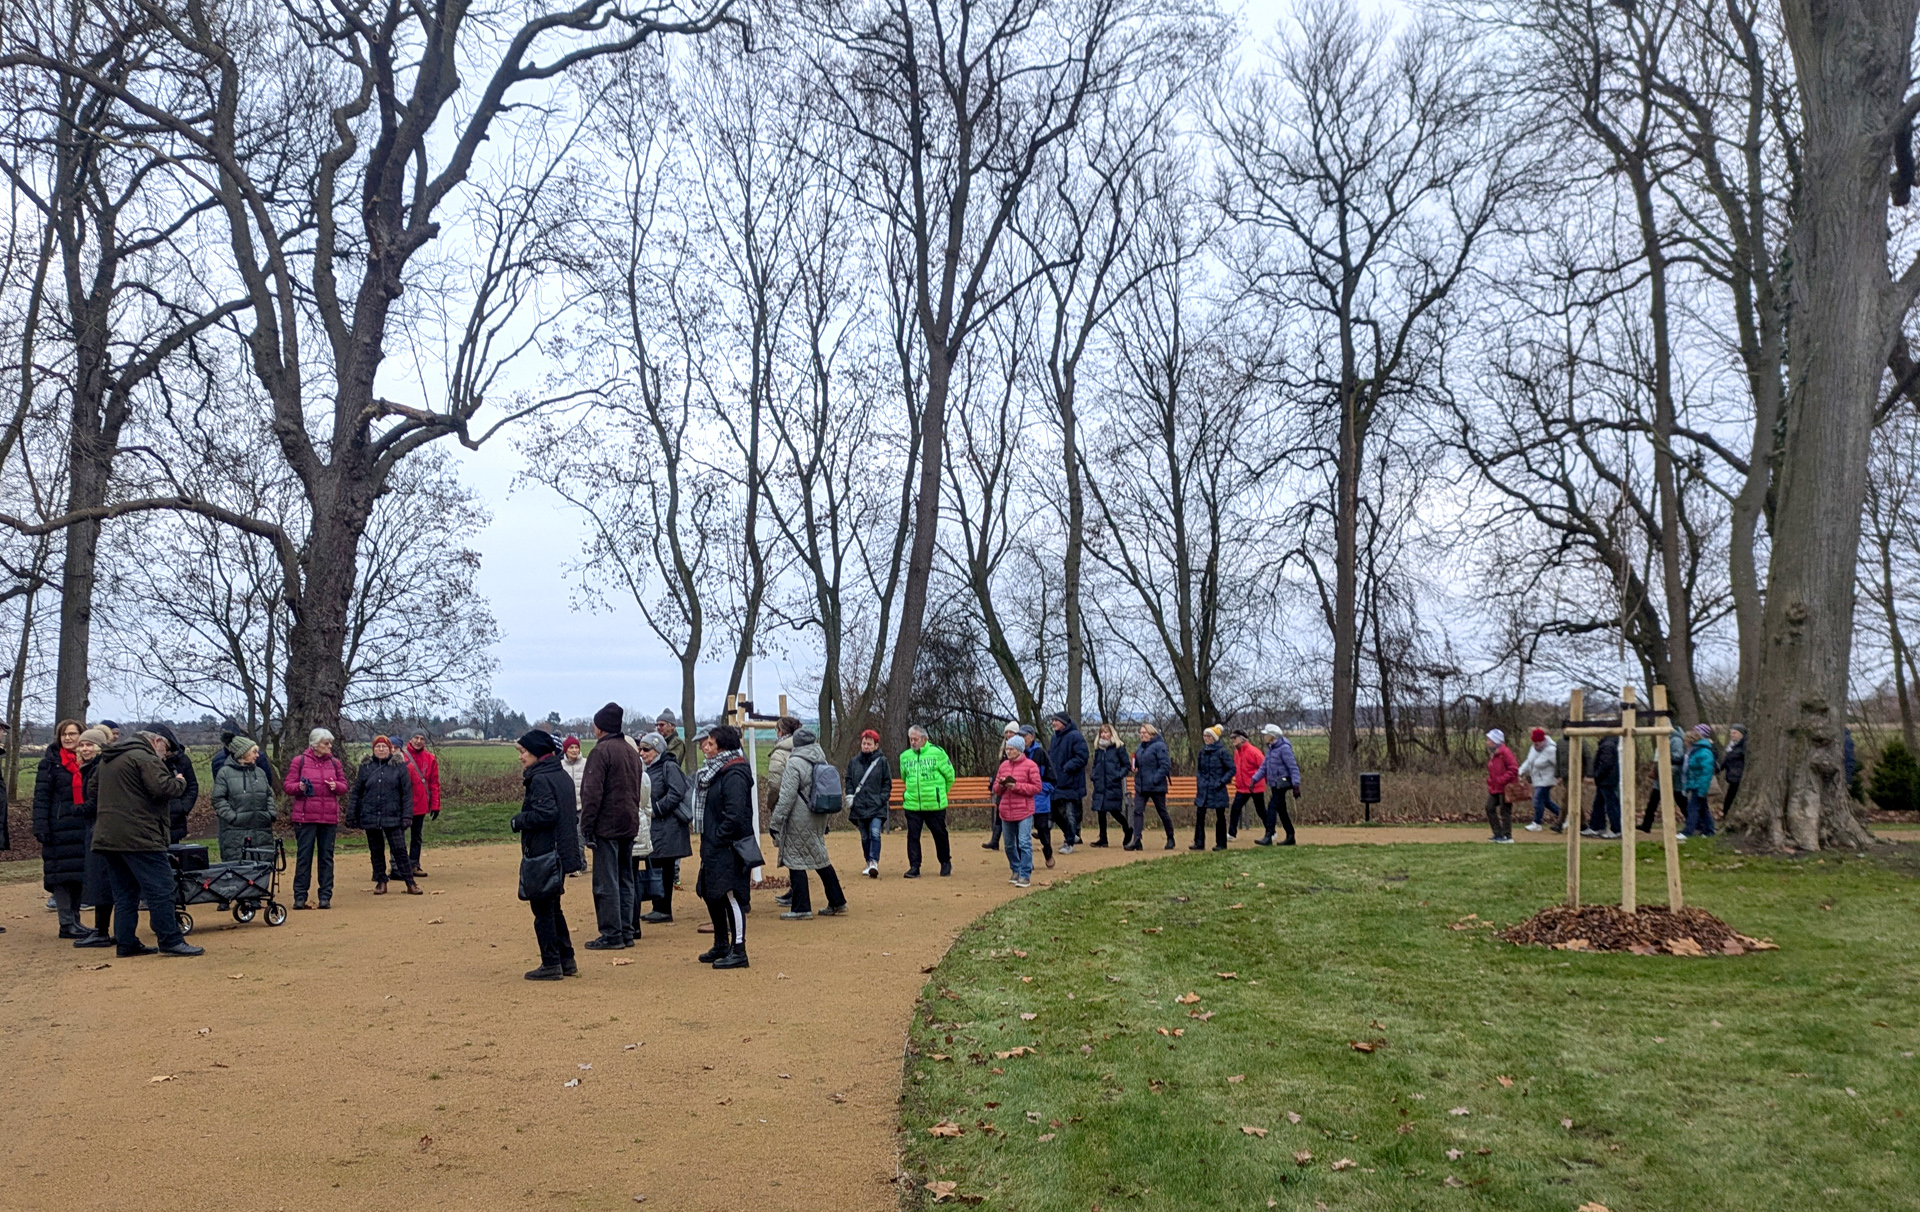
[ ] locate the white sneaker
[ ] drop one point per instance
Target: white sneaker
(1611, 835)
(1066, 848)
(1589, 833)
(1679, 837)
(1533, 828)
(1504, 841)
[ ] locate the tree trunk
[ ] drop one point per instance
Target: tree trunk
(89, 463)
(1852, 65)
(1341, 740)
(316, 642)
(926, 525)
(17, 685)
(1076, 528)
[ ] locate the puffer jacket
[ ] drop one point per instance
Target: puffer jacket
(548, 822)
(319, 806)
(60, 818)
(927, 775)
(1733, 763)
(1069, 757)
(726, 816)
(1541, 765)
(1015, 803)
(1606, 763)
(1214, 773)
(131, 796)
(799, 831)
(1279, 768)
(1110, 777)
(1701, 761)
(671, 792)
(1152, 766)
(426, 780)
(869, 785)
(776, 771)
(1043, 802)
(382, 795)
(1501, 769)
(243, 803)
(1248, 762)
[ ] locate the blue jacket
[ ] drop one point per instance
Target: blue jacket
(1110, 779)
(1152, 764)
(1215, 771)
(1279, 769)
(1070, 758)
(1042, 803)
(1698, 778)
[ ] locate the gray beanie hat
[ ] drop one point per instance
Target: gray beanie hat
(653, 741)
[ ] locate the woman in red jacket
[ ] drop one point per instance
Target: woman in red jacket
(426, 794)
(317, 781)
(1501, 770)
(1016, 784)
(1248, 782)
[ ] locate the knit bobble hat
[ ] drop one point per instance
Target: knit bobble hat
(1539, 734)
(1703, 730)
(653, 741)
(383, 740)
(538, 743)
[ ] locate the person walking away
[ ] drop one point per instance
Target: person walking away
(1069, 756)
(426, 796)
(1017, 784)
(1282, 775)
(60, 825)
(381, 803)
(1152, 767)
(1502, 769)
(1042, 803)
(1249, 781)
(783, 729)
(993, 837)
(671, 828)
(725, 787)
(801, 833)
(1733, 766)
(548, 824)
(668, 726)
(616, 803)
(926, 777)
(1604, 822)
(243, 801)
(869, 795)
(180, 762)
(316, 780)
(134, 789)
(1541, 771)
(1677, 756)
(96, 890)
(1214, 774)
(1109, 778)
(1697, 781)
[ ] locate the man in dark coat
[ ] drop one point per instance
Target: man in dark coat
(133, 790)
(610, 795)
(725, 784)
(180, 762)
(1068, 752)
(549, 823)
(1604, 820)
(672, 798)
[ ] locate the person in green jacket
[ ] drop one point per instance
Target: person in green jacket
(926, 774)
(243, 801)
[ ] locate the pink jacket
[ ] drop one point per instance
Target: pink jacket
(323, 806)
(1016, 802)
(426, 779)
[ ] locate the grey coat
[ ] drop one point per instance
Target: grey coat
(243, 802)
(800, 832)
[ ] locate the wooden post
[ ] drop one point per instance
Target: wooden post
(1663, 762)
(1629, 895)
(1576, 808)
(783, 705)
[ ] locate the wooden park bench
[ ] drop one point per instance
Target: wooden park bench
(970, 800)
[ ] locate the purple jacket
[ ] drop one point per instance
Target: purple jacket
(323, 806)
(1279, 768)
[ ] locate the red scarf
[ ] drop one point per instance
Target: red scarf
(71, 761)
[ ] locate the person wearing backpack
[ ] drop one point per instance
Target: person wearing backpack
(869, 793)
(800, 830)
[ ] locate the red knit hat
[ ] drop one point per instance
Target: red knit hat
(569, 743)
(1539, 734)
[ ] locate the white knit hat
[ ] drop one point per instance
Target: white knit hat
(1496, 736)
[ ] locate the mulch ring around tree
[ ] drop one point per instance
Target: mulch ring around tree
(1654, 930)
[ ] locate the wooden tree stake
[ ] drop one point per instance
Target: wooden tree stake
(1663, 762)
(1576, 808)
(1629, 895)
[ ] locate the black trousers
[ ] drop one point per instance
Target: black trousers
(829, 884)
(936, 824)
(1066, 810)
(729, 921)
(614, 886)
(379, 843)
(1653, 803)
(1499, 815)
(309, 839)
(550, 928)
(1119, 816)
(413, 842)
(1726, 805)
(1043, 833)
(1200, 825)
(1240, 799)
(663, 870)
(1274, 811)
(142, 875)
(993, 841)
(1159, 799)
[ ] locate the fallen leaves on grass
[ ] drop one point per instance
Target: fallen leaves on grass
(1028, 1016)
(946, 1127)
(1149, 929)
(1236, 906)
(1236, 1078)
(1303, 1158)
(1345, 1163)
(1454, 1155)
(1360, 1045)
(1202, 1015)
(1690, 931)
(1591, 1207)
(1506, 1083)
(1250, 1130)
(1047, 1136)
(1018, 954)
(1188, 998)
(942, 1190)
(1228, 976)
(1293, 1117)
(1017, 1051)
(1459, 1111)
(1451, 1181)
(1567, 1124)
(1173, 1034)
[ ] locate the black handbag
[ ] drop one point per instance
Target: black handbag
(540, 876)
(748, 849)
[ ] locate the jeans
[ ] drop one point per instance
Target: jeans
(1019, 835)
(1066, 809)
(413, 842)
(1159, 799)
(1543, 804)
(662, 872)
(613, 886)
(307, 838)
(1219, 826)
(1605, 817)
(379, 842)
(136, 876)
(1699, 816)
(550, 928)
(870, 831)
(1499, 814)
(934, 822)
(803, 896)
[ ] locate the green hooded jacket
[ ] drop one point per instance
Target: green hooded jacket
(926, 775)
(134, 786)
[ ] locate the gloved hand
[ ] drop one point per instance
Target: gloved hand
(306, 786)
(434, 815)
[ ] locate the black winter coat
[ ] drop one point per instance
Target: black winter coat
(1153, 765)
(60, 822)
(1069, 756)
(672, 795)
(547, 821)
(382, 795)
(727, 816)
(873, 798)
(1110, 778)
(1733, 763)
(181, 763)
(1606, 763)
(1215, 773)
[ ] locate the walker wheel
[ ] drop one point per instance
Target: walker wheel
(243, 913)
(276, 913)
(185, 919)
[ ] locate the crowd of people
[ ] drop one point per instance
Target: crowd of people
(1695, 762)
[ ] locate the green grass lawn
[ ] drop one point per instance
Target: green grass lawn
(1782, 1079)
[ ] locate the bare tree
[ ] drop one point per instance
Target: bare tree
(1890, 561)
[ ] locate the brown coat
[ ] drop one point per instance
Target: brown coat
(132, 791)
(610, 790)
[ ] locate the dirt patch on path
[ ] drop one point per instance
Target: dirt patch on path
(369, 1056)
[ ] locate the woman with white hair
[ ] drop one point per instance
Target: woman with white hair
(316, 780)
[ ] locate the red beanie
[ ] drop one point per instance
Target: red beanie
(1539, 734)
(569, 743)
(870, 735)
